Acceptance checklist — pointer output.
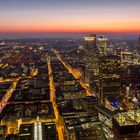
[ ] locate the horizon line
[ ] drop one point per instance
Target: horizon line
(61, 32)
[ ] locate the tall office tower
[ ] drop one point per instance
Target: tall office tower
(109, 78)
(138, 44)
(139, 39)
(2, 43)
(102, 44)
(91, 57)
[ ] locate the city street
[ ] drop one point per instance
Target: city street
(58, 119)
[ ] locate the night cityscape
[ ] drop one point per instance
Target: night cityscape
(70, 70)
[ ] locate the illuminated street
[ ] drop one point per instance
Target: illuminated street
(8, 94)
(84, 88)
(59, 121)
(75, 72)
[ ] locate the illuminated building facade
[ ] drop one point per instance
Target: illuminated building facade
(91, 56)
(139, 39)
(109, 78)
(126, 125)
(102, 44)
(139, 44)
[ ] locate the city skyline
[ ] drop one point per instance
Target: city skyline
(52, 16)
(69, 70)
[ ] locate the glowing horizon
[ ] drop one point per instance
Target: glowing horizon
(107, 28)
(70, 16)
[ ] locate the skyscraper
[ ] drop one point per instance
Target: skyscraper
(102, 44)
(138, 44)
(139, 38)
(90, 41)
(109, 77)
(91, 56)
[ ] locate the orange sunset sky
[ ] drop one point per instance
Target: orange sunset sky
(70, 16)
